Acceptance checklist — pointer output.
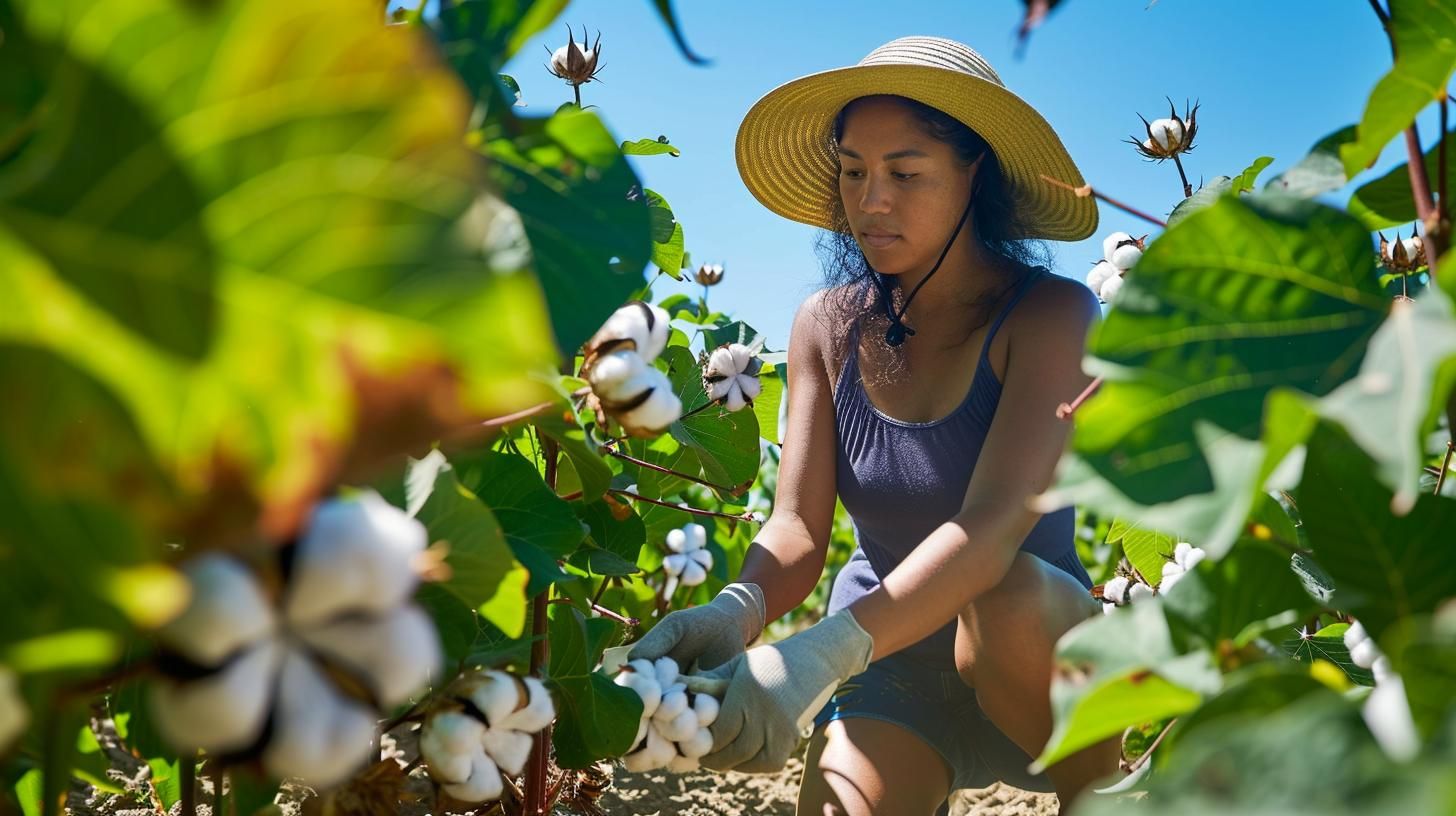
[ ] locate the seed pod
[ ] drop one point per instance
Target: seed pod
(1168, 137)
(1403, 255)
(355, 555)
(576, 64)
(709, 274)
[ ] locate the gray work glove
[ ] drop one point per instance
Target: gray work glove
(774, 691)
(711, 634)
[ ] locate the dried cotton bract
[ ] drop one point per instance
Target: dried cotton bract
(314, 667)
(1168, 137)
(1403, 255)
(676, 712)
(730, 376)
(709, 274)
(483, 728)
(576, 64)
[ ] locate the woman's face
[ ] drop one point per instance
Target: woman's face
(903, 192)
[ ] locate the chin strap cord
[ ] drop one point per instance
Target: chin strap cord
(898, 331)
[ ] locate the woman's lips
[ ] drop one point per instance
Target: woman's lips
(879, 241)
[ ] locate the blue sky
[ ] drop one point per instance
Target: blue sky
(1272, 79)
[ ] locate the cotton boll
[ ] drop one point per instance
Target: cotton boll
(643, 680)
(1382, 669)
(509, 748)
(226, 611)
(700, 743)
(1115, 590)
(611, 374)
(397, 651)
(674, 702)
(706, 707)
(484, 783)
(693, 574)
(734, 400)
(644, 325)
(697, 536)
(497, 694)
(704, 558)
(1099, 275)
(1125, 257)
(655, 754)
(318, 735)
(1388, 716)
(1364, 653)
(677, 540)
(448, 742)
(667, 671)
(661, 409)
(220, 712)
(1109, 244)
(675, 563)
(1166, 133)
(1188, 556)
(1139, 592)
(1355, 635)
(538, 712)
(751, 386)
(356, 554)
(1110, 288)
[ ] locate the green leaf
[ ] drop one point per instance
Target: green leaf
(773, 379)
(1244, 182)
(735, 332)
(30, 791)
(1249, 295)
(1328, 646)
(650, 147)
(669, 18)
(1239, 597)
(528, 511)
(1423, 36)
(1261, 689)
(596, 718)
(1202, 198)
(483, 572)
(1423, 651)
(593, 474)
(726, 443)
(1146, 550)
(590, 237)
(478, 37)
(1385, 567)
(1401, 391)
(1118, 670)
(62, 651)
(1319, 172)
(166, 780)
(667, 235)
(618, 531)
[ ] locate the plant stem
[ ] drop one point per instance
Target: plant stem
(1086, 190)
(576, 89)
(187, 778)
(1066, 410)
(535, 795)
(611, 450)
(603, 611)
(601, 590)
(746, 516)
(1187, 188)
(698, 410)
(217, 771)
(1380, 12)
(524, 413)
(1138, 763)
(1445, 465)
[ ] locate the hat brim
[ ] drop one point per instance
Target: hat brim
(786, 157)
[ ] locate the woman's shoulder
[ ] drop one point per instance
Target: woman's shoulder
(1054, 308)
(821, 326)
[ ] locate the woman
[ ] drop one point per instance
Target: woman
(924, 386)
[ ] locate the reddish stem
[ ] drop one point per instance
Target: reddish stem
(535, 794)
(524, 413)
(1187, 188)
(603, 611)
(611, 450)
(747, 516)
(1086, 190)
(1066, 410)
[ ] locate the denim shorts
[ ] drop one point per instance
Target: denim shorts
(939, 708)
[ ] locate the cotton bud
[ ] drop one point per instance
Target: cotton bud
(709, 274)
(689, 560)
(576, 64)
(1100, 274)
(14, 717)
(1110, 288)
(356, 555)
(1168, 137)
(642, 325)
(1122, 250)
(730, 376)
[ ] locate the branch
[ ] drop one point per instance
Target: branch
(524, 413)
(603, 611)
(1086, 190)
(611, 450)
(1140, 761)
(746, 516)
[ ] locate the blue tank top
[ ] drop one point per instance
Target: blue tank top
(900, 480)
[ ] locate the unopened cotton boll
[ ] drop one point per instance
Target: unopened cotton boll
(225, 611)
(643, 325)
(1100, 275)
(1110, 288)
(319, 735)
(219, 712)
(612, 375)
(14, 716)
(356, 554)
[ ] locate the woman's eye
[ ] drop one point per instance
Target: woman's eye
(857, 174)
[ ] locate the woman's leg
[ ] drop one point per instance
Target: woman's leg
(1004, 649)
(858, 766)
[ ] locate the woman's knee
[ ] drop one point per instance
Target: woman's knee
(859, 766)
(1031, 607)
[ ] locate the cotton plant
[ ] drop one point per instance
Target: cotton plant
(625, 385)
(1123, 590)
(303, 669)
(730, 375)
(689, 560)
(677, 710)
(1120, 251)
(483, 728)
(1386, 711)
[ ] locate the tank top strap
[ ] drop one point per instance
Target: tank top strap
(1021, 289)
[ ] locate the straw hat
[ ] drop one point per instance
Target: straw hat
(787, 160)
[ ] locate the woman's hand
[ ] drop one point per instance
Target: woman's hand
(709, 635)
(774, 691)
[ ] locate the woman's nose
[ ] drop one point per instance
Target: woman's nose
(874, 198)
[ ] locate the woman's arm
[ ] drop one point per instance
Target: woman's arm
(972, 552)
(787, 556)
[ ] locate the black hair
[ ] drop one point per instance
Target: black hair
(851, 299)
